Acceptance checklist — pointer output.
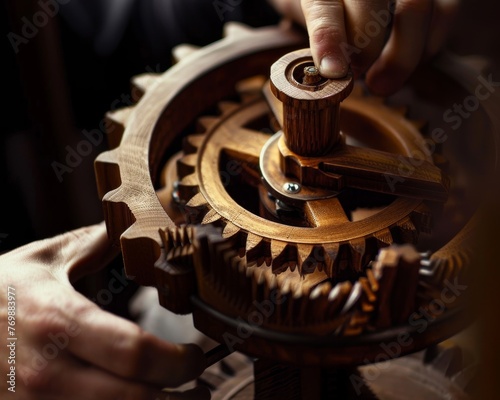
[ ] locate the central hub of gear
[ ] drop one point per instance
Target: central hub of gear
(310, 103)
(327, 242)
(316, 243)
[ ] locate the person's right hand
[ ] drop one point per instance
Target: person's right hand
(386, 39)
(67, 347)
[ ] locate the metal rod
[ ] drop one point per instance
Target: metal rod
(217, 354)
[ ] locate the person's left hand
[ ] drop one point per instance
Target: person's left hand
(67, 347)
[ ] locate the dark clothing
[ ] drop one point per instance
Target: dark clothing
(61, 81)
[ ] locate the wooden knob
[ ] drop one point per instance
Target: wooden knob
(311, 103)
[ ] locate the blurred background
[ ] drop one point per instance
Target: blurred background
(67, 62)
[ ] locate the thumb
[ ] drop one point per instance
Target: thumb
(327, 36)
(73, 254)
(87, 250)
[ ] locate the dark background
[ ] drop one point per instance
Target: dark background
(58, 85)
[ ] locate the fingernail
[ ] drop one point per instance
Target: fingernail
(333, 67)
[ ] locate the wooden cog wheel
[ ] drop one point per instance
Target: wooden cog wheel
(324, 246)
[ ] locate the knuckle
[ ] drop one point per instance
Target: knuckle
(55, 316)
(133, 347)
(322, 31)
(49, 321)
(37, 382)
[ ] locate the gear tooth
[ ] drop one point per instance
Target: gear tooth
(257, 249)
(176, 237)
(236, 29)
(322, 289)
(210, 217)
(142, 83)
(187, 234)
(298, 313)
(187, 187)
(192, 143)
(383, 237)
(260, 276)
(271, 279)
(331, 252)
(283, 255)
(283, 283)
(253, 241)
(406, 231)
(422, 218)
(230, 230)
(306, 260)
(368, 293)
(182, 51)
(339, 294)
(353, 299)
(189, 180)
(251, 88)
(372, 280)
(397, 271)
(207, 123)
(118, 195)
(197, 201)
(298, 290)
(116, 122)
(166, 239)
(258, 284)
(227, 107)
(186, 165)
(196, 208)
(357, 249)
(107, 172)
(317, 305)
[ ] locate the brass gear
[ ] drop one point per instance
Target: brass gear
(337, 242)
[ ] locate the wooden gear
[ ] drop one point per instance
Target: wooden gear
(242, 215)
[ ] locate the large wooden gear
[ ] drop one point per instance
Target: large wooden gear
(227, 217)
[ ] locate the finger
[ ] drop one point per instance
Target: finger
(443, 16)
(75, 253)
(327, 36)
(405, 47)
(66, 378)
(290, 8)
(122, 348)
(367, 22)
(87, 250)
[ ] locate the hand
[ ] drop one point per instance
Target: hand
(354, 32)
(67, 347)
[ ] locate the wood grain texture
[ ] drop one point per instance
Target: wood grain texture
(132, 210)
(310, 111)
